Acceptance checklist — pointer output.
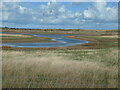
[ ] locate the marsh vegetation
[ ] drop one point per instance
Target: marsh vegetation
(60, 69)
(19, 38)
(91, 65)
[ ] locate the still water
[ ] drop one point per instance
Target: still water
(62, 41)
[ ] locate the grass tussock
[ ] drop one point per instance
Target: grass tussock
(42, 69)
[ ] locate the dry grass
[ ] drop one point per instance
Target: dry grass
(112, 36)
(41, 69)
(18, 35)
(0, 69)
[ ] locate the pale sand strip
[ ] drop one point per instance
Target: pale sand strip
(113, 36)
(15, 35)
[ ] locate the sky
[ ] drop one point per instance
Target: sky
(60, 15)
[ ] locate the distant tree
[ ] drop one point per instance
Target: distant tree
(5, 27)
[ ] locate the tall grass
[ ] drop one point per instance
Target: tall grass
(42, 69)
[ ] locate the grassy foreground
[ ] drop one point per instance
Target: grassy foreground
(96, 68)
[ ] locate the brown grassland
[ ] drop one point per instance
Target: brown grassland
(91, 65)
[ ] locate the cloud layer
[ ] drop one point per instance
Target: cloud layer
(57, 15)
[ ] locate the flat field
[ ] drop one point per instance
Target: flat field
(17, 38)
(91, 65)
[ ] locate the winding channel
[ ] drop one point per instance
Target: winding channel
(62, 41)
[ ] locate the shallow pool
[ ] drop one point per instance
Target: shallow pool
(62, 41)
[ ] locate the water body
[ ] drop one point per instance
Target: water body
(62, 41)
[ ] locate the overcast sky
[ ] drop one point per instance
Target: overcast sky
(66, 15)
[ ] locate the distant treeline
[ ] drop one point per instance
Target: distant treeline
(41, 29)
(48, 29)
